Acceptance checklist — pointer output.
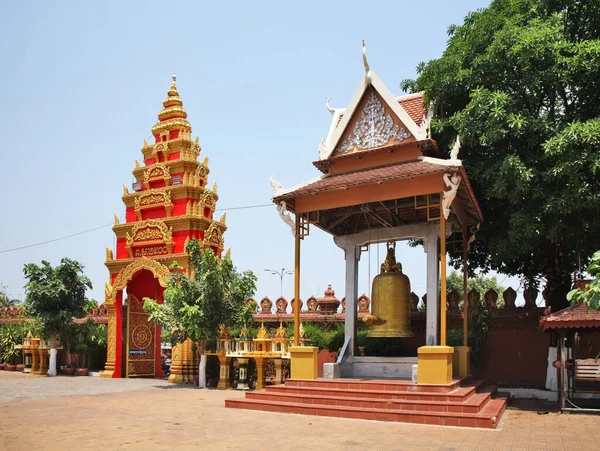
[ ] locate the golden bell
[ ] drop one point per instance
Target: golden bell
(390, 305)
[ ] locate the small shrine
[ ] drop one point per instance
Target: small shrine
(261, 349)
(169, 203)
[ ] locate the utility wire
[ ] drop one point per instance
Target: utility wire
(245, 207)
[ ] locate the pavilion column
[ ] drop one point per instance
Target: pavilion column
(432, 306)
(303, 358)
(351, 293)
(462, 354)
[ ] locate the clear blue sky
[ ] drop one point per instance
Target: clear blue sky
(82, 83)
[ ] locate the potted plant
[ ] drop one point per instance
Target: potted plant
(68, 370)
(10, 337)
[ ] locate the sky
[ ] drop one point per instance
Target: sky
(82, 84)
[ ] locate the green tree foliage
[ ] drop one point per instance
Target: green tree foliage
(590, 295)
(56, 295)
(519, 81)
(478, 283)
(195, 306)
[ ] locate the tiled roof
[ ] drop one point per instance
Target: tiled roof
(396, 171)
(413, 105)
(572, 317)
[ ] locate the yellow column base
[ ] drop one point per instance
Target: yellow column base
(107, 373)
(435, 365)
(304, 362)
(461, 361)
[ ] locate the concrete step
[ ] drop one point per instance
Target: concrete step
(459, 394)
(487, 418)
(376, 384)
(472, 404)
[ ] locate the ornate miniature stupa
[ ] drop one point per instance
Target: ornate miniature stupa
(169, 204)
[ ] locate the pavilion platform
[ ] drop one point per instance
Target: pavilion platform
(463, 402)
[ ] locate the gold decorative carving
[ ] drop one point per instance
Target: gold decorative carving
(108, 293)
(153, 198)
(156, 171)
(116, 220)
(125, 190)
(228, 254)
(201, 173)
(149, 232)
(223, 218)
(188, 208)
(208, 200)
(160, 271)
(214, 188)
(137, 164)
(109, 255)
(214, 236)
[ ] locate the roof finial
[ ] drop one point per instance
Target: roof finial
(331, 110)
(365, 62)
(174, 78)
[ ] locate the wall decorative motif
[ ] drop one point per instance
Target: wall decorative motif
(153, 198)
(214, 236)
(157, 171)
(148, 233)
(374, 129)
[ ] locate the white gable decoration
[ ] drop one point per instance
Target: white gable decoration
(374, 129)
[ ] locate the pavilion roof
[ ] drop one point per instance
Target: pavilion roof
(575, 317)
(367, 176)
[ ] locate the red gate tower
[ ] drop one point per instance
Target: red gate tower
(168, 205)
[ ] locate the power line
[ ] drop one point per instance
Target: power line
(55, 239)
(245, 207)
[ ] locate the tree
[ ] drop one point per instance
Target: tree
(478, 283)
(5, 299)
(590, 295)
(519, 81)
(54, 297)
(194, 306)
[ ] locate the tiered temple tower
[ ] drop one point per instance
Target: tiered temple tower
(169, 204)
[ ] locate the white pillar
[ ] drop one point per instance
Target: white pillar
(351, 294)
(433, 305)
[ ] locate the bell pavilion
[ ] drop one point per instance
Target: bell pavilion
(169, 203)
(384, 179)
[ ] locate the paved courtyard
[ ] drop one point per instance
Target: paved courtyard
(64, 413)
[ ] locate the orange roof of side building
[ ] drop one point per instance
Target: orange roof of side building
(575, 317)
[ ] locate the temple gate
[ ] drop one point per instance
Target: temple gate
(170, 203)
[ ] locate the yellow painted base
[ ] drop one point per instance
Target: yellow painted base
(435, 365)
(107, 374)
(304, 362)
(461, 361)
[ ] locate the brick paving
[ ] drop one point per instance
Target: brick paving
(66, 413)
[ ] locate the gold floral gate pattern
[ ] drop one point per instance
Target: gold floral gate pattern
(140, 340)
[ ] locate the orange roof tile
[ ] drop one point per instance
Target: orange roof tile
(414, 106)
(573, 317)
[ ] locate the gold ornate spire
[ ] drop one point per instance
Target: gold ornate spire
(172, 116)
(280, 331)
(262, 332)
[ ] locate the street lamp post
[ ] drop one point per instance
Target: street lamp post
(281, 275)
